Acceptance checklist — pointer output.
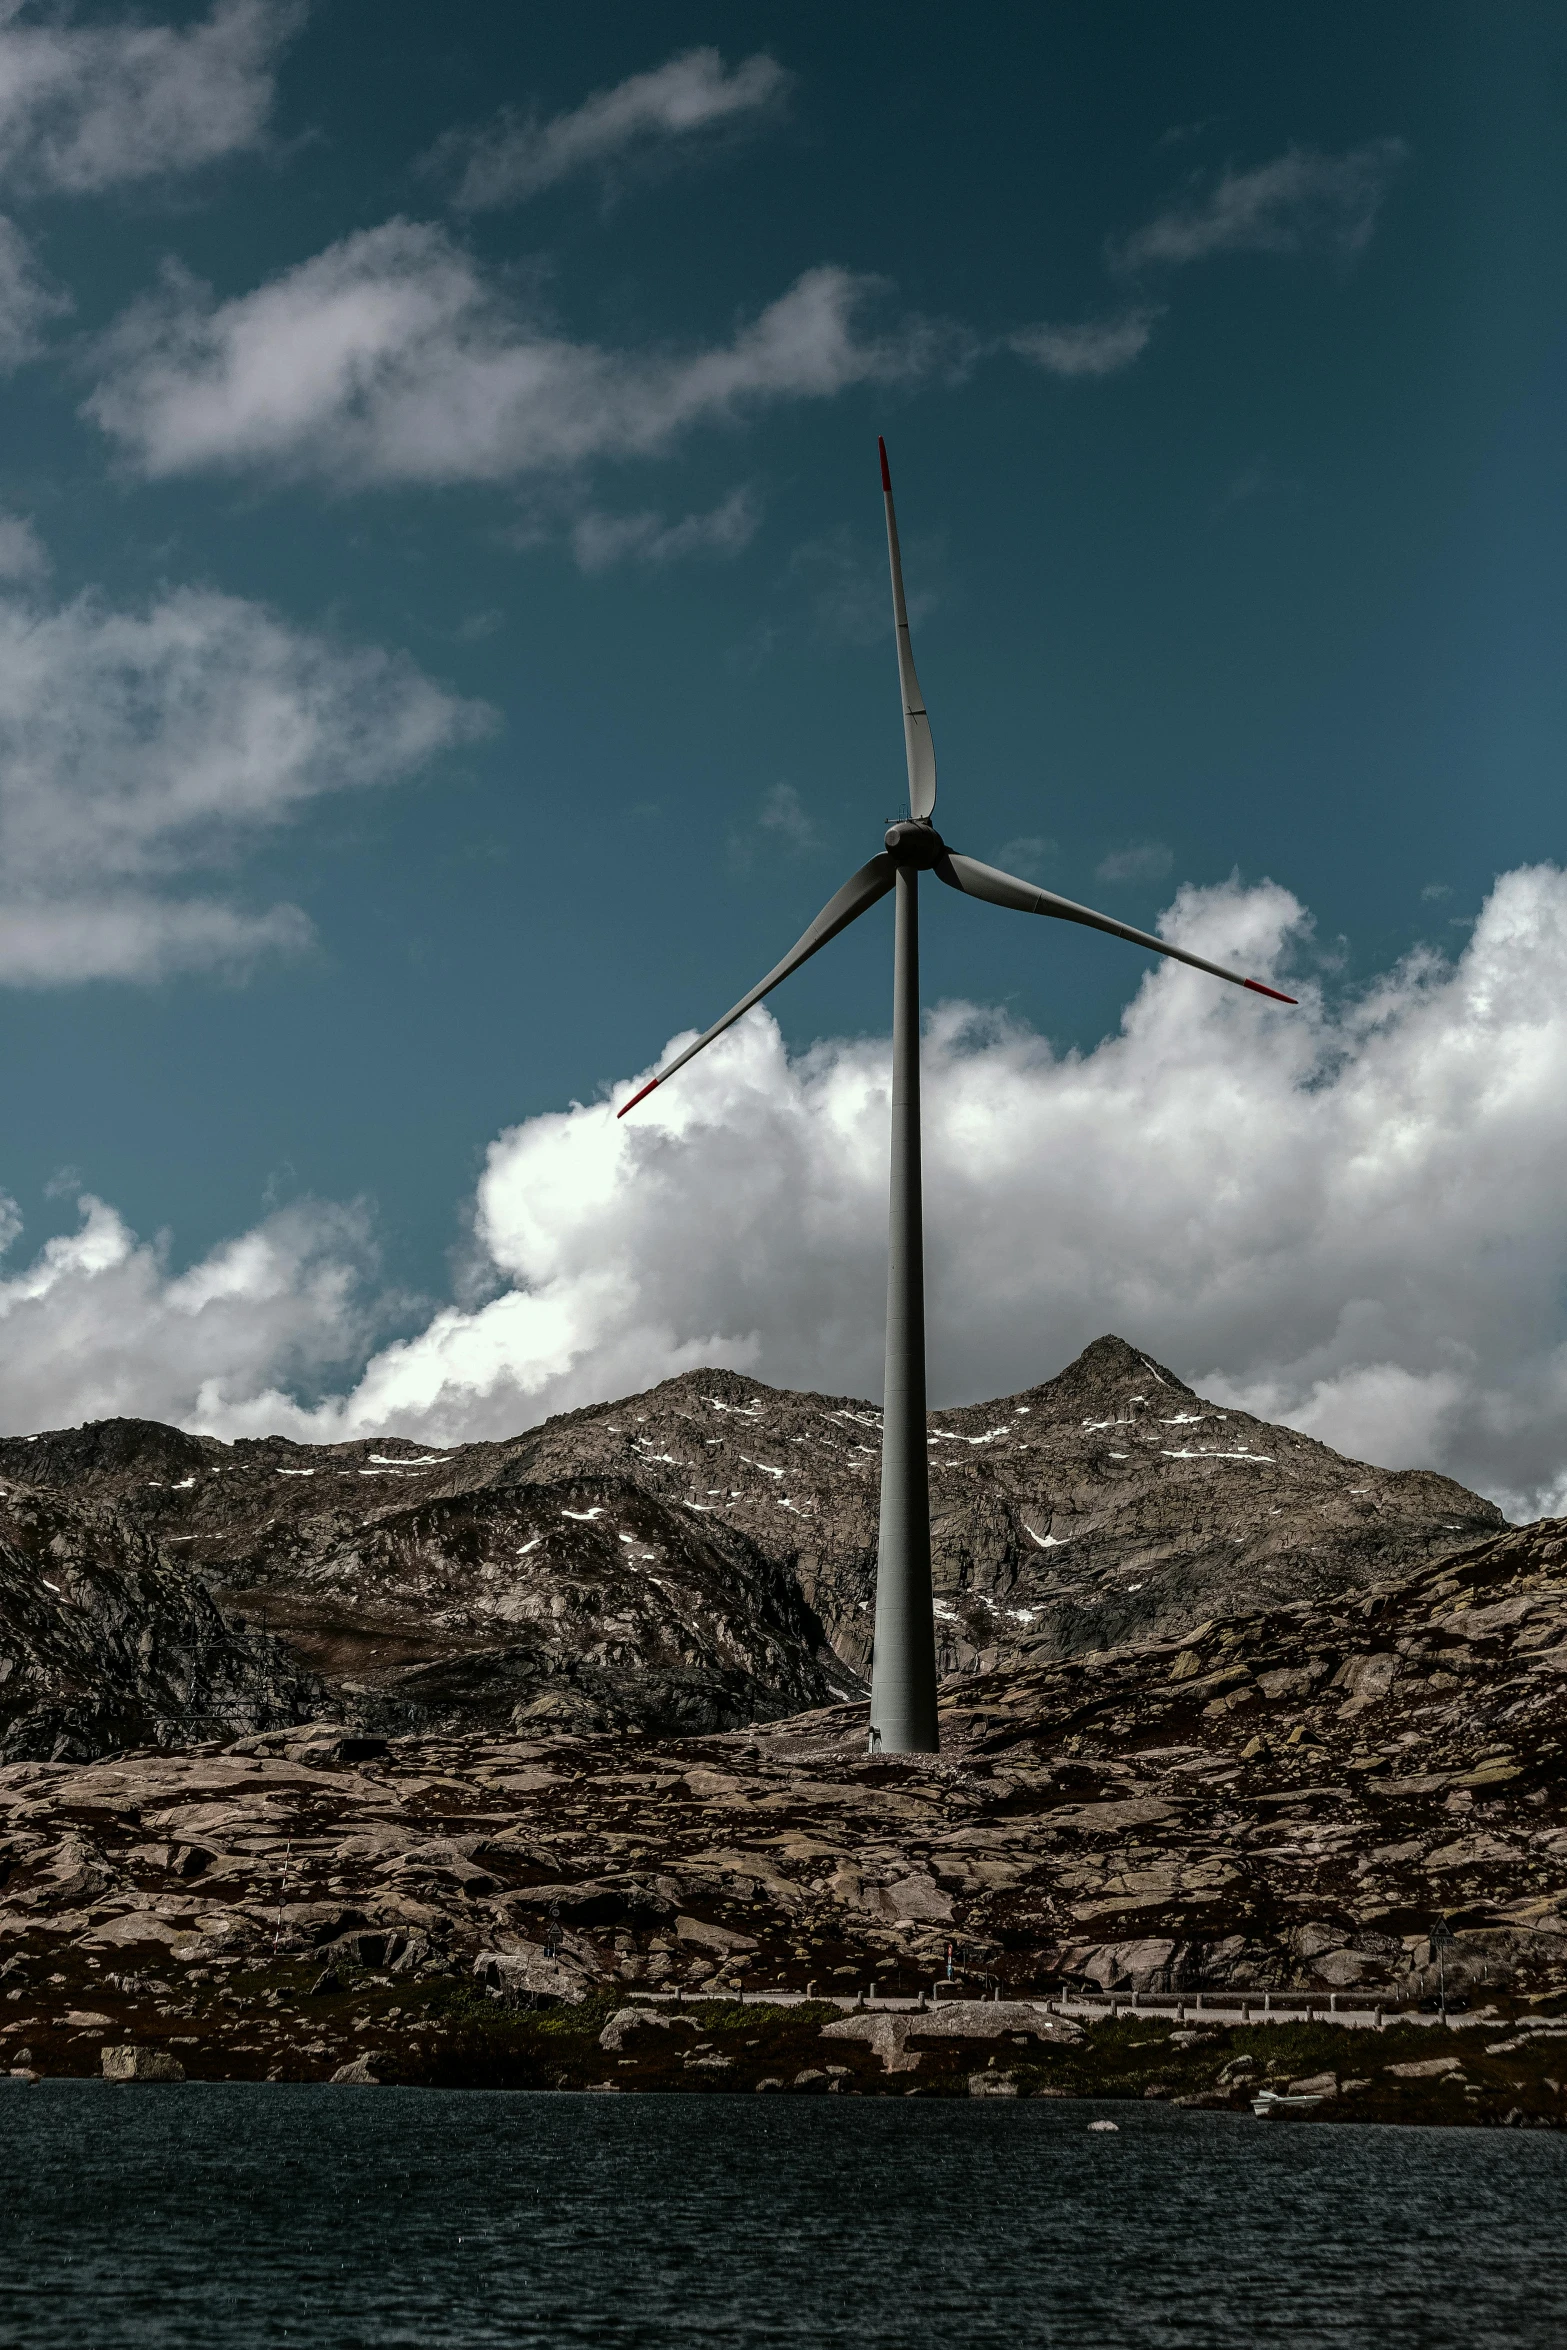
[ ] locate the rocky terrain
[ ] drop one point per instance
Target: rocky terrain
(104, 1644)
(1292, 1795)
(692, 1559)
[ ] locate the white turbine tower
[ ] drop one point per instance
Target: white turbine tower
(903, 1667)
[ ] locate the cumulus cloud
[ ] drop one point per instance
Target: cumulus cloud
(27, 300)
(85, 107)
(1303, 201)
(1351, 1219)
(391, 358)
(101, 1326)
(1095, 347)
(140, 747)
(676, 109)
(599, 541)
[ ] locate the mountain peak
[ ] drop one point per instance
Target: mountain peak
(1110, 1372)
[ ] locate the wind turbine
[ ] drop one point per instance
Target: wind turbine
(903, 1665)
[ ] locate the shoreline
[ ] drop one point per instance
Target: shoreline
(1410, 2073)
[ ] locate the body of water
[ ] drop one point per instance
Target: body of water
(225, 2216)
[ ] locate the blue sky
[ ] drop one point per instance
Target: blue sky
(448, 639)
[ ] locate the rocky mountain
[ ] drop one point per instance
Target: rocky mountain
(1287, 1799)
(703, 1555)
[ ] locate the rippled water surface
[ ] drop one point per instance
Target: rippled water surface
(223, 2216)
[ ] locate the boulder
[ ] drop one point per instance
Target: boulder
(919, 1899)
(527, 1973)
(1143, 1965)
(993, 2019)
(1320, 1935)
(717, 1938)
(320, 1921)
(636, 2019)
(1366, 1679)
(361, 2074)
(889, 2030)
(130, 2063)
(135, 1927)
(592, 1901)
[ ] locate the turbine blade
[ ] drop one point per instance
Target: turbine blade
(859, 892)
(1000, 889)
(920, 750)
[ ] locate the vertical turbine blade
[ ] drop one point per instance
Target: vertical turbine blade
(917, 744)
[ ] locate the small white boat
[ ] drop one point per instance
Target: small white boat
(1270, 2105)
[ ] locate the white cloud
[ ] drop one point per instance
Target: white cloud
(138, 747)
(27, 300)
(85, 107)
(1303, 201)
(23, 557)
(102, 1327)
(1141, 860)
(138, 935)
(599, 541)
(1095, 347)
(390, 358)
(1351, 1220)
(675, 108)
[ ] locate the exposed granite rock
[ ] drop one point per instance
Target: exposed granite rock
(129, 2063)
(901, 2036)
(104, 1644)
(1101, 1819)
(360, 2074)
(455, 1590)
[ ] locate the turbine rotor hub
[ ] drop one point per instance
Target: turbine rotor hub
(914, 841)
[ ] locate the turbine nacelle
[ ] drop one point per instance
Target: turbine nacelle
(914, 841)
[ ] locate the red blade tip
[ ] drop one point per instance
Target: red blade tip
(651, 1086)
(886, 477)
(1255, 985)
